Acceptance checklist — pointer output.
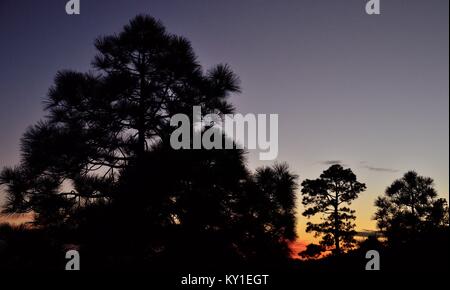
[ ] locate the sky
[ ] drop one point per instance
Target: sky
(368, 91)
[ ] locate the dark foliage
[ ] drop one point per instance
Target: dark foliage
(328, 196)
(98, 172)
(410, 209)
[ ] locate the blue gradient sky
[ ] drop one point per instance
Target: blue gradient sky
(368, 91)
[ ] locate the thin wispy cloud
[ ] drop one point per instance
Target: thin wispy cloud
(380, 169)
(332, 162)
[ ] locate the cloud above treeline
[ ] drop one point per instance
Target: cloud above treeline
(332, 162)
(380, 169)
(363, 164)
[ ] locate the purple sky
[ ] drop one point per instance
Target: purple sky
(369, 91)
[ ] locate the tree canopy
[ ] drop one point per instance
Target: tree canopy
(410, 207)
(328, 195)
(99, 168)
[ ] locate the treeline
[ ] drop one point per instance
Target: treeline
(413, 224)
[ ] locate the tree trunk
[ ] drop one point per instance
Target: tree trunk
(336, 226)
(141, 119)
